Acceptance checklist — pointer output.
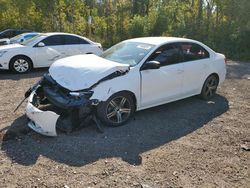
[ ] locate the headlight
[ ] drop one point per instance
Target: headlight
(87, 94)
(2, 52)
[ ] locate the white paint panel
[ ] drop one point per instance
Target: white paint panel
(82, 71)
(43, 122)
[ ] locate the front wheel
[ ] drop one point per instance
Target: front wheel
(209, 88)
(20, 64)
(117, 109)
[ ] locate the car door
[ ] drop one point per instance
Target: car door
(72, 44)
(86, 47)
(52, 50)
(162, 85)
(196, 67)
(76, 45)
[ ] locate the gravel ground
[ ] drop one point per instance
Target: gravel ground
(189, 143)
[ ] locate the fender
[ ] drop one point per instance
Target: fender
(130, 82)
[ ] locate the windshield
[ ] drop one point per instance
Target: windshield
(127, 52)
(2, 32)
(30, 41)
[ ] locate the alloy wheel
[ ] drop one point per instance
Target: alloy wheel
(211, 86)
(118, 110)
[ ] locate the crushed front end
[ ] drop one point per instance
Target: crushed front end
(50, 106)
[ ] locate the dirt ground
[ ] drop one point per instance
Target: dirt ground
(189, 143)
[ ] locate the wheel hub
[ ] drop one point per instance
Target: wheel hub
(21, 65)
(118, 109)
(211, 87)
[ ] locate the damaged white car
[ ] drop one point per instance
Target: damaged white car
(133, 75)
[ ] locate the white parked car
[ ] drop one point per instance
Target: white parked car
(18, 39)
(4, 41)
(133, 75)
(43, 49)
(22, 38)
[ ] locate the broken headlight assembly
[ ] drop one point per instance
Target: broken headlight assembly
(86, 94)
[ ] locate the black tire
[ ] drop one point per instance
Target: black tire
(209, 87)
(117, 110)
(20, 64)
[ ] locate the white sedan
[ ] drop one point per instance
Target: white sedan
(18, 39)
(43, 49)
(133, 75)
(22, 38)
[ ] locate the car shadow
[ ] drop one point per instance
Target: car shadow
(8, 75)
(149, 129)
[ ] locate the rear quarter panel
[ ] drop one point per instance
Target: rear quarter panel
(219, 66)
(216, 64)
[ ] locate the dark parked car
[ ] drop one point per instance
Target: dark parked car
(9, 33)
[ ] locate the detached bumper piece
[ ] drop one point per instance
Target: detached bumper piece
(43, 122)
(71, 109)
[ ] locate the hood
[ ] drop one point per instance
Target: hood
(11, 46)
(83, 71)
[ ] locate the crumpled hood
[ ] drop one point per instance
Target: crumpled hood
(83, 71)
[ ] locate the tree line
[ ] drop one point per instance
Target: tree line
(222, 24)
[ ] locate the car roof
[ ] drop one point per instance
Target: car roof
(28, 33)
(160, 40)
(58, 33)
(22, 30)
(61, 33)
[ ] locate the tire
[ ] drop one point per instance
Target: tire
(20, 64)
(117, 110)
(209, 87)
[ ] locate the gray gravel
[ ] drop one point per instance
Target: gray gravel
(189, 143)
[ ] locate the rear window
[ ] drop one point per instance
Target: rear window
(192, 51)
(70, 40)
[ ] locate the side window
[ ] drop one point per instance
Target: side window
(192, 52)
(167, 55)
(54, 40)
(71, 40)
(82, 41)
(17, 32)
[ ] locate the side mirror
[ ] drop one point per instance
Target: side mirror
(151, 65)
(21, 40)
(40, 44)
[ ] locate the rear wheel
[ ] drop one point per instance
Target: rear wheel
(117, 109)
(20, 64)
(209, 88)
